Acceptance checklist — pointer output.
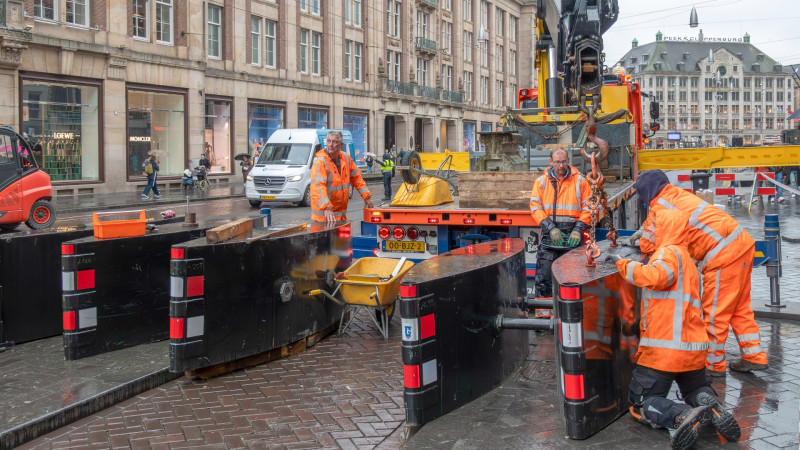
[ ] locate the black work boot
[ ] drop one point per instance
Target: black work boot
(723, 421)
(744, 365)
(686, 424)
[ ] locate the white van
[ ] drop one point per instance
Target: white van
(282, 172)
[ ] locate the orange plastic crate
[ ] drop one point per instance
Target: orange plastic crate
(119, 228)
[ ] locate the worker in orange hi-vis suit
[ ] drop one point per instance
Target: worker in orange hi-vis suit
(557, 206)
(674, 342)
(331, 176)
(725, 254)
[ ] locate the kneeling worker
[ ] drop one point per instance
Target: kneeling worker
(557, 207)
(673, 342)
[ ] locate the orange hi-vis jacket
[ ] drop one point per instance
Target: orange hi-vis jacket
(673, 337)
(330, 188)
(560, 201)
(714, 237)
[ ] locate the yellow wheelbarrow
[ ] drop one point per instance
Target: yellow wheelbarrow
(370, 284)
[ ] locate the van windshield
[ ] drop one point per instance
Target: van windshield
(285, 154)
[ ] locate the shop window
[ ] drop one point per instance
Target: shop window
(468, 139)
(312, 118)
(356, 123)
(262, 120)
(61, 123)
(217, 136)
(156, 126)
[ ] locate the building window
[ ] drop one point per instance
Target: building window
(44, 9)
(467, 46)
(671, 96)
(499, 57)
(348, 52)
(357, 62)
(447, 5)
(483, 47)
(263, 120)
(78, 12)
(512, 62)
(484, 90)
(659, 81)
(164, 21)
(393, 18)
(499, 93)
(779, 83)
(304, 50)
(468, 139)
(768, 82)
(683, 82)
(308, 117)
(468, 86)
(499, 16)
(447, 37)
(694, 96)
(393, 65)
(512, 90)
(423, 19)
(255, 40)
(746, 96)
(316, 52)
(218, 147)
(311, 6)
(356, 123)
(156, 123)
(141, 19)
(466, 7)
(447, 77)
(422, 72)
(485, 15)
(269, 43)
(683, 96)
(513, 25)
(214, 31)
(747, 82)
(352, 12)
(61, 120)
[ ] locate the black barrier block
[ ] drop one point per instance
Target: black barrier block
(254, 294)
(452, 351)
(130, 293)
(30, 283)
(595, 308)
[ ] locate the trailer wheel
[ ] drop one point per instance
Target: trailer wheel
(412, 160)
(255, 203)
(42, 215)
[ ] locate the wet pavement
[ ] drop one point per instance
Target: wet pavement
(347, 391)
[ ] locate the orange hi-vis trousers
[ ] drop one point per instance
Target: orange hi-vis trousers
(726, 302)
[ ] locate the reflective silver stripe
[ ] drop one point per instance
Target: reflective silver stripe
(578, 189)
(714, 308)
(536, 199)
(666, 268)
(597, 337)
(646, 301)
(565, 220)
(677, 320)
(712, 358)
(629, 275)
(340, 187)
(681, 297)
(720, 246)
(661, 201)
(536, 208)
(362, 190)
(715, 346)
(673, 345)
(748, 337)
(568, 207)
(751, 350)
(694, 221)
(318, 179)
(322, 202)
(353, 172)
(339, 213)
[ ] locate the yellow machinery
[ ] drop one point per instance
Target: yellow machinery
(719, 157)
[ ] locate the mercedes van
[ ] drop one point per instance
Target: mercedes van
(282, 173)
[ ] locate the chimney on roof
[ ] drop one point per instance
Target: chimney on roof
(659, 36)
(746, 38)
(634, 43)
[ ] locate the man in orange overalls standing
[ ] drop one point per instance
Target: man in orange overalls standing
(674, 342)
(725, 254)
(331, 176)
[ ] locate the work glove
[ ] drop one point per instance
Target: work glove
(633, 241)
(556, 236)
(574, 238)
(613, 257)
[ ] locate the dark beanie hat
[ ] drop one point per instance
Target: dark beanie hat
(650, 182)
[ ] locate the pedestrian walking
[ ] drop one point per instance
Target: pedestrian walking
(331, 176)
(246, 166)
(557, 200)
(387, 169)
(674, 342)
(725, 254)
(369, 160)
(151, 171)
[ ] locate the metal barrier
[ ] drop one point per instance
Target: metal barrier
(453, 351)
(30, 283)
(596, 314)
(244, 297)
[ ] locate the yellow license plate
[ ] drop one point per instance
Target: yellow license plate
(267, 197)
(403, 246)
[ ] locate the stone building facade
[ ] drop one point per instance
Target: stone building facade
(711, 91)
(97, 85)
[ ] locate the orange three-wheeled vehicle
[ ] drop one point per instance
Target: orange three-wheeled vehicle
(25, 189)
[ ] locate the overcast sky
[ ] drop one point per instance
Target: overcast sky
(773, 25)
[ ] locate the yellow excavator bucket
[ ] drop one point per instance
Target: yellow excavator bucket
(429, 191)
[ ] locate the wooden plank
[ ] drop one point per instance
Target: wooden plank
(264, 357)
(229, 231)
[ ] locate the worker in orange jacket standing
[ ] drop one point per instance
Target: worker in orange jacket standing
(725, 254)
(331, 176)
(674, 342)
(557, 206)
